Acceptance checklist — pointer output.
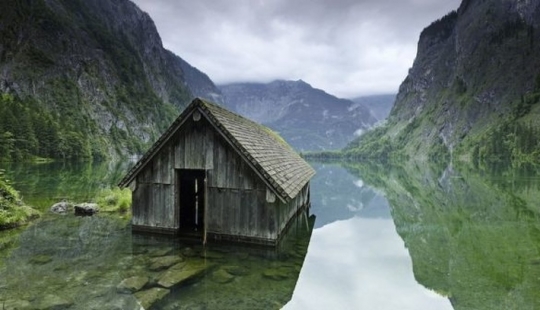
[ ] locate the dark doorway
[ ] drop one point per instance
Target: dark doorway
(191, 199)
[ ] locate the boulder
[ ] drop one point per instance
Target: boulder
(86, 209)
(150, 297)
(131, 285)
(61, 207)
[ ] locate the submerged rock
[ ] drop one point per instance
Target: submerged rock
(164, 262)
(189, 252)
(212, 255)
(276, 274)
(131, 285)
(53, 302)
(182, 272)
(41, 259)
(86, 209)
(149, 297)
(236, 270)
(159, 251)
(61, 207)
(15, 304)
(222, 276)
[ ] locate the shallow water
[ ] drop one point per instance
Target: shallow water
(444, 239)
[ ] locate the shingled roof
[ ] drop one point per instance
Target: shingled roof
(271, 157)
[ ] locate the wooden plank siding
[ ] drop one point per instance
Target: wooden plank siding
(237, 204)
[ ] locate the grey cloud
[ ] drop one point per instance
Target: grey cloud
(345, 47)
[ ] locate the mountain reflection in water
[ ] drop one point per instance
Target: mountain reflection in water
(473, 233)
(357, 261)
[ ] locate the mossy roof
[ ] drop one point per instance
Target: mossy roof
(265, 151)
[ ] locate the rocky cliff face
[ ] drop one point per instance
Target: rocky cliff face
(94, 71)
(476, 69)
(308, 118)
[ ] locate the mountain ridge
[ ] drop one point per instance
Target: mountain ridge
(308, 118)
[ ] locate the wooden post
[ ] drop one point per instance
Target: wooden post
(205, 206)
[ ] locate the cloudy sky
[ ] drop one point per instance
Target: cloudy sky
(345, 47)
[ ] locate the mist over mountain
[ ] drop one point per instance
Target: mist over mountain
(379, 105)
(308, 118)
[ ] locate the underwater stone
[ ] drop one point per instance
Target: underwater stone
(182, 272)
(212, 255)
(53, 302)
(189, 252)
(159, 252)
(222, 276)
(164, 262)
(131, 285)
(15, 304)
(41, 259)
(149, 297)
(275, 274)
(236, 270)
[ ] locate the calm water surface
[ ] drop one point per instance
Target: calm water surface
(375, 238)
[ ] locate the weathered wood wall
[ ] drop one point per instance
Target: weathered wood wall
(237, 197)
(286, 211)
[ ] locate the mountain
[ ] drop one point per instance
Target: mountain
(308, 118)
(474, 89)
(378, 105)
(87, 78)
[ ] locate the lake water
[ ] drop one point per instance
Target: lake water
(412, 237)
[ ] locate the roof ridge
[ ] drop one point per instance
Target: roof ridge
(280, 177)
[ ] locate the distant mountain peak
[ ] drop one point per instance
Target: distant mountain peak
(308, 118)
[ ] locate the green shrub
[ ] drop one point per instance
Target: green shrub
(13, 212)
(114, 200)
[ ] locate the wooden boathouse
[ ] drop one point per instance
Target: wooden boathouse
(216, 175)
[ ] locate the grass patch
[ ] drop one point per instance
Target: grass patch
(114, 200)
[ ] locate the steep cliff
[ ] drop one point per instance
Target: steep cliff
(473, 90)
(308, 118)
(86, 79)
